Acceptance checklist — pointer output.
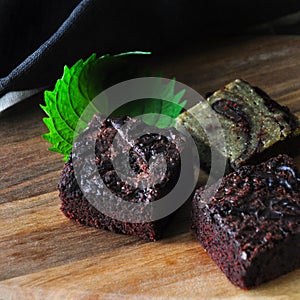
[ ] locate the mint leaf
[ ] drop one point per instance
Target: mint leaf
(81, 83)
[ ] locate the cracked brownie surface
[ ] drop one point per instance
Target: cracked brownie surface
(109, 140)
(249, 222)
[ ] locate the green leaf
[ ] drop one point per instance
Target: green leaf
(166, 109)
(81, 83)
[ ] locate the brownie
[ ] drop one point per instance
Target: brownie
(251, 121)
(111, 140)
(249, 221)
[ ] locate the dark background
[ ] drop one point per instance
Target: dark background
(39, 37)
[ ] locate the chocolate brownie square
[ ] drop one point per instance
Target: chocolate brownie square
(108, 139)
(249, 221)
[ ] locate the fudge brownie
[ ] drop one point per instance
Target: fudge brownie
(249, 222)
(251, 122)
(109, 146)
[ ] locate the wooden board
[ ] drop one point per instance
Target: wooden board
(43, 255)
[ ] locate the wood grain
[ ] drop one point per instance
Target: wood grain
(43, 255)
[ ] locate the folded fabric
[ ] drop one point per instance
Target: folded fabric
(37, 37)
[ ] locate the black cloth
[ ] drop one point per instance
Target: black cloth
(39, 37)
